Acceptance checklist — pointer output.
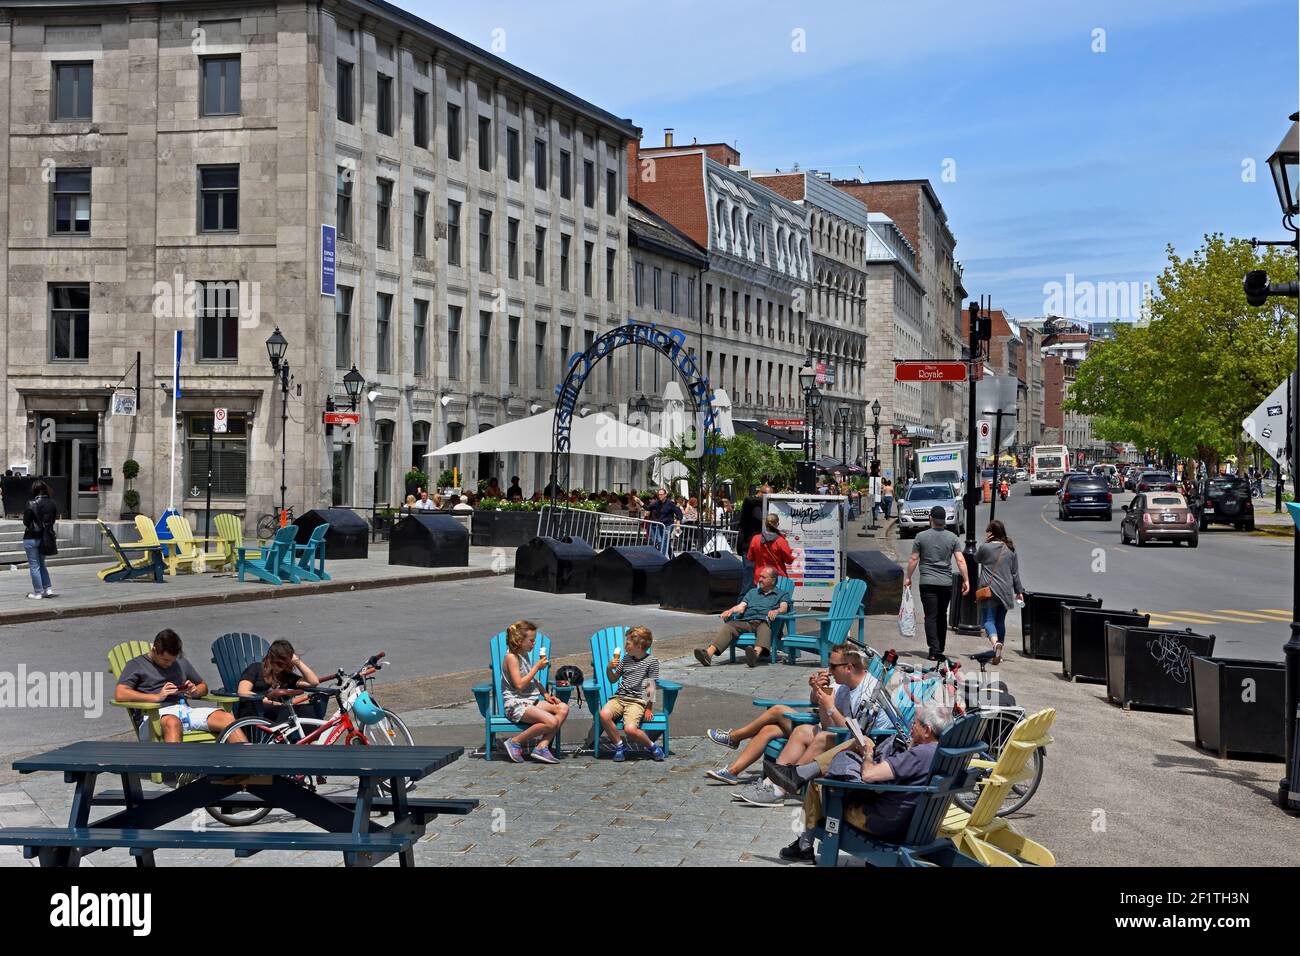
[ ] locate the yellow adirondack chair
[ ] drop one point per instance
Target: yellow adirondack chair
(981, 833)
(230, 531)
(149, 535)
(190, 549)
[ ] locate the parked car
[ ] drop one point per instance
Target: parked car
(1022, 474)
(914, 509)
(1155, 481)
(1158, 516)
(1226, 500)
(1084, 495)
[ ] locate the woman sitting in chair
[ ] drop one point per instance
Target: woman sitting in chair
(280, 669)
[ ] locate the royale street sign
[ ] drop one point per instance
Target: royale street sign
(342, 418)
(785, 423)
(929, 371)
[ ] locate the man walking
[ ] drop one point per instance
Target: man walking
(934, 550)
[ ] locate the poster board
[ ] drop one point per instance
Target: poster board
(814, 525)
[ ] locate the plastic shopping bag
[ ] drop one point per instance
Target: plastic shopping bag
(907, 615)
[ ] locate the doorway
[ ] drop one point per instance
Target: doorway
(70, 450)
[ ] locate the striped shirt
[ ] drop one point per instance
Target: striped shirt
(634, 675)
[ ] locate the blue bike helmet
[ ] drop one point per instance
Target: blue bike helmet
(365, 710)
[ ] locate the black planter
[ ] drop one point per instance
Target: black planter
(554, 566)
(347, 538)
(503, 529)
(429, 541)
(699, 582)
(1151, 666)
(631, 575)
(1040, 621)
(1239, 706)
(883, 576)
(1083, 639)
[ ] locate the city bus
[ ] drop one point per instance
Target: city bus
(1048, 464)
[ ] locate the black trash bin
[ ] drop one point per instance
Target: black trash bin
(428, 541)
(884, 579)
(627, 575)
(1239, 706)
(1083, 639)
(1152, 666)
(1040, 621)
(347, 538)
(554, 566)
(701, 582)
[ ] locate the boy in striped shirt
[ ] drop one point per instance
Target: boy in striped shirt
(635, 700)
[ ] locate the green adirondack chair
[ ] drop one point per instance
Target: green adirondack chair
(847, 600)
(598, 689)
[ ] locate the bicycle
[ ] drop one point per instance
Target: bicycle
(342, 728)
(269, 523)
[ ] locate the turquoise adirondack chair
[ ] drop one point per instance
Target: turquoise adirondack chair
(847, 599)
(274, 563)
(784, 587)
(922, 845)
(598, 689)
(488, 696)
(311, 556)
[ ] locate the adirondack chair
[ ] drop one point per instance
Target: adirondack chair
(171, 556)
(922, 845)
(833, 627)
(488, 696)
(230, 530)
(148, 566)
(784, 587)
(275, 564)
(189, 549)
(598, 689)
(981, 833)
(311, 556)
(232, 653)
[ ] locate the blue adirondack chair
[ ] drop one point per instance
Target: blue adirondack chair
(922, 845)
(598, 689)
(784, 587)
(833, 627)
(275, 561)
(488, 696)
(232, 653)
(311, 556)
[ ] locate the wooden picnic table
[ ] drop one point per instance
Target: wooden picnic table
(240, 775)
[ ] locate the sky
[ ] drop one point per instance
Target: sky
(1070, 142)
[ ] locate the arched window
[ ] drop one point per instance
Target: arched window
(737, 237)
(751, 237)
(720, 222)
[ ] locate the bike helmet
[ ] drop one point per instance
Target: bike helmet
(365, 710)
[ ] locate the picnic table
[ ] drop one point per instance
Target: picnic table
(237, 776)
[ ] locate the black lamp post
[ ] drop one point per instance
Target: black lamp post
(276, 347)
(842, 416)
(818, 423)
(352, 383)
(807, 379)
(875, 433)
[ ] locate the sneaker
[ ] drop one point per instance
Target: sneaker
(761, 795)
(543, 755)
(724, 775)
(49, 592)
(514, 751)
(722, 738)
(794, 853)
(702, 655)
(657, 752)
(36, 597)
(751, 656)
(783, 776)
(620, 753)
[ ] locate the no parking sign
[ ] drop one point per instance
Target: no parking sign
(219, 421)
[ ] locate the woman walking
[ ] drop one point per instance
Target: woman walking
(1000, 585)
(38, 537)
(769, 549)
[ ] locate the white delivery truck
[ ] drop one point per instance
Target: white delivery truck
(943, 462)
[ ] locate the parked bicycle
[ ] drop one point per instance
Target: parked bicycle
(269, 523)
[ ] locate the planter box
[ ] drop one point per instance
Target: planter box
(505, 529)
(1083, 639)
(429, 541)
(1152, 667)
(1239, 706)
(1040, 622)
(554, 566)
(627, 575)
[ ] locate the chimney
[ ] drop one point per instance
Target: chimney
(668, 136)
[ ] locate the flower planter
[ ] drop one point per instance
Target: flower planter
(554, 566)
(1151, 666)
(1083, 639)
(1239, 706)
(1040, 621)
(504, 529)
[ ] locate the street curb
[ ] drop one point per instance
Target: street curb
(241, 597)
(1278, 532)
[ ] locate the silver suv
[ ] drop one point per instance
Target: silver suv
(914, 510)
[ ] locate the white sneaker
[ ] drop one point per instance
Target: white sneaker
(36, 597)
(49, 592)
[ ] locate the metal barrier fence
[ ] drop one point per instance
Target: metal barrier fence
(692, 537)
(605, 530)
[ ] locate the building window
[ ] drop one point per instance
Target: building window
(564, 351)
(343, 327)
(484, 346)
(690, 297)
(344, 92)
(420, 444)
(638, 283)
(539, 255)
(343, 202)
(218, 320)
(611, 258)
(672, 293)
(421, 227)
(453, 132)
(566, 175)
(383, 316)
(654, 290)
(229, 455)
(512, 248)
(70, 202)
(539, 356)
(383, 461)
(513, 364)
(539, 164)
(420, 117)
(512, 154)
(219, 86)
(70, 322)
(589, 184)
(453, 232)
(564, 262)
(453, 341)
(484, 143)
(218, 199)
(611, 192)
(384, 106)
(421, 340)
(484, 241)
(341, 474)
(588, 267)
(73, 91)
(384, 215)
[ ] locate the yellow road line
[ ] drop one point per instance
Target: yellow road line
(1195, 619)
(1250, 615)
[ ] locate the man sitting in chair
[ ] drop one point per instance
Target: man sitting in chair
(885, 815)
(756, 612)
(163, 676)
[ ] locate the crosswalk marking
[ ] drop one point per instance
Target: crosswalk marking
(1219, 616)
(1252, 615)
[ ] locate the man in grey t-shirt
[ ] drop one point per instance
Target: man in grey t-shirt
(934, 550)
(164, 677)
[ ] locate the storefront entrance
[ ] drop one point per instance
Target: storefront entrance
(70, 449)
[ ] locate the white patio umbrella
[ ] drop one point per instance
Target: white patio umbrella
(596, 434)
(722, 413)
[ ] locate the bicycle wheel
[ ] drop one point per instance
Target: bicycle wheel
(267, 525)
(260, 732)
(998, 728)
(389, 732)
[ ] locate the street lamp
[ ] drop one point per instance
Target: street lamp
(1285, 166)
(352, 383)
(276, 347)
(807, 378)
(842, 416)
(815, 403)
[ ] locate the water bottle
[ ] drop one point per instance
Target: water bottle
(1020, 602)
(184, 714)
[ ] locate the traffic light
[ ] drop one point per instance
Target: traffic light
(875, 469)
(1255, 285)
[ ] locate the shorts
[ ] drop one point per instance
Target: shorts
(631, 712)
(516, 706)
(198, 716)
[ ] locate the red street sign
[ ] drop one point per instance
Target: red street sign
(930, 371)
(902, 441)
(785, 423)
(342, 418)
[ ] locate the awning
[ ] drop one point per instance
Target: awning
(780, 438)
(597, 434)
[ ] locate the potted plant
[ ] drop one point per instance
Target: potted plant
(416, 479)
(130, 497)
(447, 482)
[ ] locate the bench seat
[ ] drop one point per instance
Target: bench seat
(33, 839)
(418, 806)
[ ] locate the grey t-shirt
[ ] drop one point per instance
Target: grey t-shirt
(936, 546)
(142, 674)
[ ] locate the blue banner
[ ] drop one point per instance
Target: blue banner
(328, 235)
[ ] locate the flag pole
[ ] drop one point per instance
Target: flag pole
(176, 388)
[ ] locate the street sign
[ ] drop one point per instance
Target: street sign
(985, 432)
(785, 423)
(219, 421)
(930, 371)
(342, 418)
(1267, 424)
(124, 404)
